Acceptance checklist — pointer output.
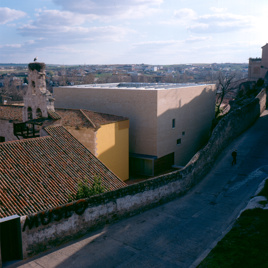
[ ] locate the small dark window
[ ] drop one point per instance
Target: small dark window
(38, 113)
(30, 113)
(183, 133)
(2, 139)
(178, 141)
(173, 123)
(33, 88)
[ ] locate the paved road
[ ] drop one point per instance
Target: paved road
(181, 232)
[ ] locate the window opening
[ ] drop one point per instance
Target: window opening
(30, 113)
(33, 88)
(38, 113)
(173, 123)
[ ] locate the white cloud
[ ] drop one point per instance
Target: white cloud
(64, 26)
(11, 46)
(194, 39)
(106, 8)
(56, 18)
(7, 15)
(185, 14)
(216, 9)
(69, 34)
(218, 21)
(167, 45)
(163, 43)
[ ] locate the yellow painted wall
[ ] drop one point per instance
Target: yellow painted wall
(112, 147)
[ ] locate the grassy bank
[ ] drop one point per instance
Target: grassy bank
(246, 245)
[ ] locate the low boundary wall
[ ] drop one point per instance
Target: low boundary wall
(49, 228)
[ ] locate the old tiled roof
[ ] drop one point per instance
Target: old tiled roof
(85, 118)
(11, 112)
(40, 173)
(53, 115)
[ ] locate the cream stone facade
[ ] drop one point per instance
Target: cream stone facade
(258, 67)
(168, 122)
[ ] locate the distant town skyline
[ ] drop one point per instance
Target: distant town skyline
(132, 32)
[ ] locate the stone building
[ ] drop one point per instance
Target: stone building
(26, 121)
(168, 122)
(37, 100)
(106, 136)
(258, 67)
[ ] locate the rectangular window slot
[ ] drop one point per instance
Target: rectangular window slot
(173, 123)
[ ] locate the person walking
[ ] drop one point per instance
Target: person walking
(234, 155)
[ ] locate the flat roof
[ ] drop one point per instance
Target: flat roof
(140, 86)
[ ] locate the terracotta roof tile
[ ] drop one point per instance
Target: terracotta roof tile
(85, 118)
(11, 112)
(40, 173)
(53, 115)
(102, 119)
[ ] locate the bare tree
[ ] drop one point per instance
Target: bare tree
(223, 86)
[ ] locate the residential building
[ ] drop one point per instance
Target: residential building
(169, 123)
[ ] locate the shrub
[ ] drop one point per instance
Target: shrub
(86, 190)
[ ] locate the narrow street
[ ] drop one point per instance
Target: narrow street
(181, 232)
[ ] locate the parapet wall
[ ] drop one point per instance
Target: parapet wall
(49, 228)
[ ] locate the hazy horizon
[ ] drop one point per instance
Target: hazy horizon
(82, 64)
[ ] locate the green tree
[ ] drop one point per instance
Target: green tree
(86, 190)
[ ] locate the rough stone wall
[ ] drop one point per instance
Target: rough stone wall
(86, 136)
(34, 97)
(254, 69)
(50, 228)
(6, 130)
(37, 96)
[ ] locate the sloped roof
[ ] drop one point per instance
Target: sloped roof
(11, 112)
(53, 115)
(69, 117)
(40, 173)
(86, 118)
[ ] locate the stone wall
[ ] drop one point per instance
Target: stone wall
(6, 130)
(50, 228)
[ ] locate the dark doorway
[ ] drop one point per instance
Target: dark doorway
(10, 239)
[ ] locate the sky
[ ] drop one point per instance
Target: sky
(132, 31)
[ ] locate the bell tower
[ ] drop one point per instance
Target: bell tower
(37, 100)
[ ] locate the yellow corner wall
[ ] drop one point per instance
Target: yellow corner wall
(112, 147)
